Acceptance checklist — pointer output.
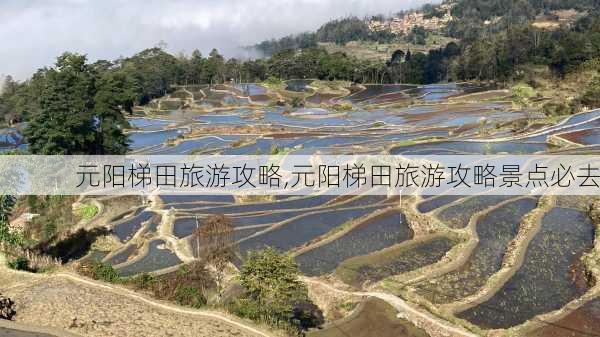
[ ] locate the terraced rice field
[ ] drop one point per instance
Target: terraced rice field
(128, 228)
(494, 230)
(580, 322)
(374, 318)
(393, 261)
(364, 240)
(301, 230)
(547, 279)
(157, 258)
(374, 234)
(459, 215)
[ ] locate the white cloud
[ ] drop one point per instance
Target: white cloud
(34, 32)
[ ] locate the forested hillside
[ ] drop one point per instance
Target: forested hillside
(496, 40)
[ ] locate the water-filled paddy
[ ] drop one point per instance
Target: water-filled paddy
(546, 281)
(148, 124)
(122, 256)
(374, 90)
(152, 138)
(168, 199)
(512, 147)
(437, 202)
(184, 226)
(395, 260)
(10, 137)
(495, 230)
(459, 215)
(584, 137)
(251, 89)
(296, 203)
(128, 228)
(583, 321)
(158, 258)
(192, 145)
(301, 230)
(380, 232)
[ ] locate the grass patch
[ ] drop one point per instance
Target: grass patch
(87, 211)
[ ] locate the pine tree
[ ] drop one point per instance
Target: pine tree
(80, 110)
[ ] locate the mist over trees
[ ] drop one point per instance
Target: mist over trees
(77, 107)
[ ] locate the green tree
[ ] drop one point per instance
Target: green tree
(591, 97)
(80, 110)
(111, 97)
(64, 124)
(214, 67)
(7, 203)
(274, 291)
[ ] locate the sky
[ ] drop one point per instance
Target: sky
(34, 32)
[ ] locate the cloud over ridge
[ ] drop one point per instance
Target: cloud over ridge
(36, 31)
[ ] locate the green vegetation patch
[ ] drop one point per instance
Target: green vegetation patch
(87, 211)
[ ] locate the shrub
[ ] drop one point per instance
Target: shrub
(189, 296)
(591, 97)
(297, 102)
(274, 294)
(143, 281)
(49, 230)
(346, 106)
(7, 310)
(100, 271)
(556, 109)
(19, 263)
(521, 93)
(187, 286)
(87, 211)
(273, 81)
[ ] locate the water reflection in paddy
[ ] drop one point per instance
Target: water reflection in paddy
(373, 90)
(148, 124)
(295, 203)
(251, 89)
(459, 215)
(145, 139)
(513, 147)
(434, 203)
(201, 144)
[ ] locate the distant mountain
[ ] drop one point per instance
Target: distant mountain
(451, 17)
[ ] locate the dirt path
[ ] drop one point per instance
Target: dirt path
(426, 321)
(38, 296)
(172, 308)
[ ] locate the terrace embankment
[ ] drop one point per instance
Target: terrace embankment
(372, 318)
(513, 256)
(548, 278)
(494, 230)
(375, 233)
(401, 258)
(580, 316)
